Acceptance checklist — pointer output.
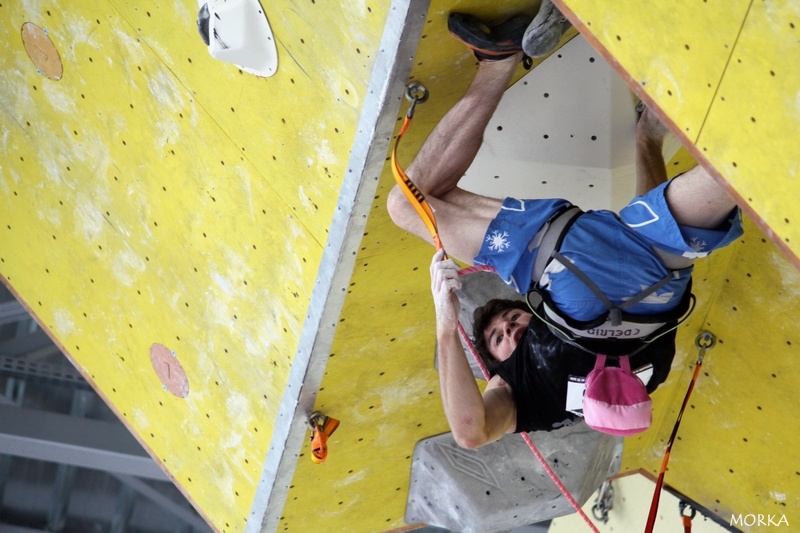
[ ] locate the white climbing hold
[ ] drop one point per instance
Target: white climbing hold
(237, 31)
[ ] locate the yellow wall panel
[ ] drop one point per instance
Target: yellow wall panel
(725, 90)
(736, 451)
(155, 195)
(752, 131)
(666, 49)
(120, 238)
(381, 383)
(278, 122)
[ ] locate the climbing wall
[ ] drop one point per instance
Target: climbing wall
(165, 214)
(731, 93)
(155, 197)
(381, 378)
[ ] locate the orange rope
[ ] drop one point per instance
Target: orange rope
(651, 518)
(708, 341)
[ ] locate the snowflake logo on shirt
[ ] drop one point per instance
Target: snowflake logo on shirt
(697, 245)
(498, 242)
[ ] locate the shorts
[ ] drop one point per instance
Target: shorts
(513, 238)
(650, 217)
(615, 252)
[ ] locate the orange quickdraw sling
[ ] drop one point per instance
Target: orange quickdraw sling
(322, 427)
(416, 93)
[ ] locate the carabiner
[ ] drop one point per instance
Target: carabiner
(682, 506)
(416, 93)
(317, 418)
(604, 502)
(704, 342)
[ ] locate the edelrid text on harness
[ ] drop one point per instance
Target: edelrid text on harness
(615, 332)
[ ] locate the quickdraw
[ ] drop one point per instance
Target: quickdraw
(604, 502)
(322, 427)
(704, 341)
(416, 93)
(686, 518)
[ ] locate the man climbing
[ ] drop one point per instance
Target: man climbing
(592, 290)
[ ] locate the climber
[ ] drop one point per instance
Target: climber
(592, 290)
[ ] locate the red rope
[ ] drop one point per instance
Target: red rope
(651, 518)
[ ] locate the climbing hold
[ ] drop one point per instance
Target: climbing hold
(237, 31)
(42, 51)
(169, 370)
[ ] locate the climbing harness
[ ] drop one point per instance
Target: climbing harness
(322, 427)
(686, 518)
(604, 502)
(614, 400)
(704, 341)
(616, 327)
(417, 93)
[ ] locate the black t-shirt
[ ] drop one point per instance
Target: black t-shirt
(539, 369)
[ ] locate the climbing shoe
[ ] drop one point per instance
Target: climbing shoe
(489, 43)
(545, 30)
